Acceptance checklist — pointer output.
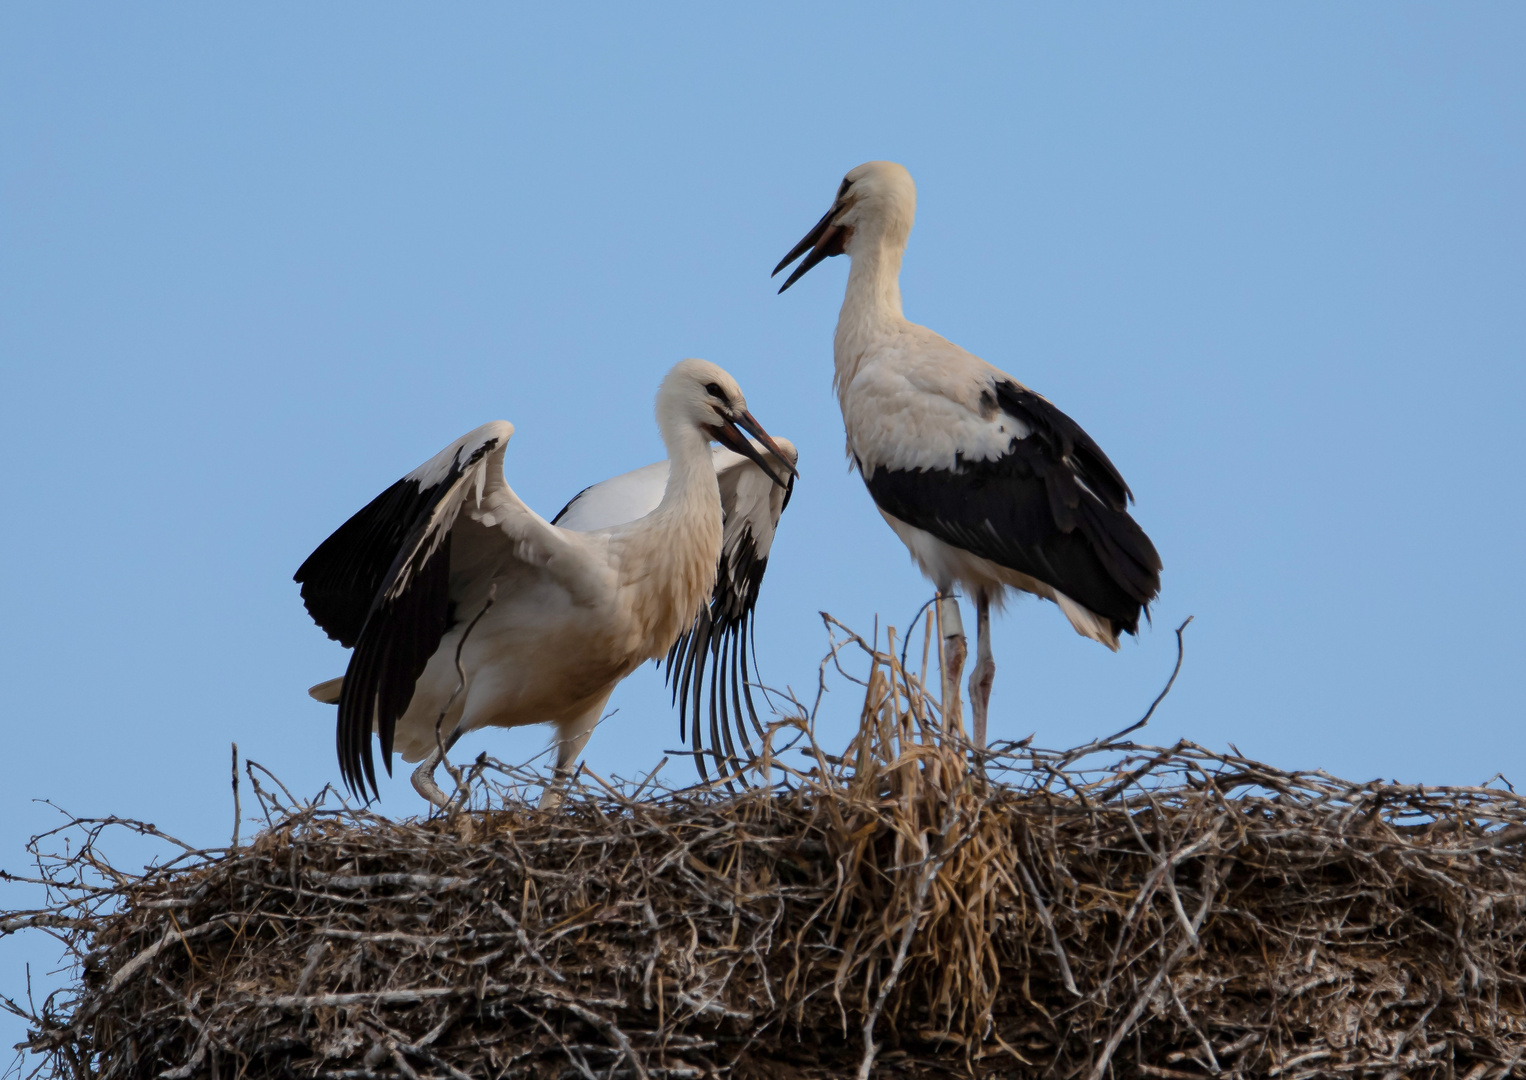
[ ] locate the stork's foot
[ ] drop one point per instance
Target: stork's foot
(551, 798)
(423, 780)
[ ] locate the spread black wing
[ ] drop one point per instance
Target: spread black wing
(380, 584)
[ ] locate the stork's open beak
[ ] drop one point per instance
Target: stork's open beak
(732, 439)
(823, 241)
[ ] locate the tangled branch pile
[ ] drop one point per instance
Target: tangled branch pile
(896, 911)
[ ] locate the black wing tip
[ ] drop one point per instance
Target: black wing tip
(718, 638)
(1143, 612)
(718, 645)
(356, 766)
(393, 649)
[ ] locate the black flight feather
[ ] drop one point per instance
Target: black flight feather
(718, 639)
(341, 578)
(377, 586)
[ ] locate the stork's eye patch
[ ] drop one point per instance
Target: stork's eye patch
(715, 391)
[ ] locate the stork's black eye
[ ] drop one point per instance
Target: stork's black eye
(715, 391)
(843, 190)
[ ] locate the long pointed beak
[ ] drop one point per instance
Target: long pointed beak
(732, 439)
(823, 241)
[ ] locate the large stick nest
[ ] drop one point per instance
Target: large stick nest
(907, 908)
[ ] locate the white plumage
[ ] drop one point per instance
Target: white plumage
(989, 485)
(721, 635)
(547, 619)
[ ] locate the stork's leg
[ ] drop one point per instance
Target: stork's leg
(423, 777)
(423, 780)
(984, 672)
(570, 740)
(953, 658)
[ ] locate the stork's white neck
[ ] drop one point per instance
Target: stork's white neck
(691, 470)
(668, 558)
(871, 307)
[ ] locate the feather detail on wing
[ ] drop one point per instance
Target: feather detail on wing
(618, 500)
(381, 584)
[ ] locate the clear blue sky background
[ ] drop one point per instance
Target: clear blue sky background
(256, 265)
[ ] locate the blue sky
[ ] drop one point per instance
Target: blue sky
(255, 265)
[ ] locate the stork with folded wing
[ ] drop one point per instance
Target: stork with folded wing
(987, 483)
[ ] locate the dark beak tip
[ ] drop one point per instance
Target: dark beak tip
(810, 246)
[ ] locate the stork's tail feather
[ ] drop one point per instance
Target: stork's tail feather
(327, 691)
(1088, 623)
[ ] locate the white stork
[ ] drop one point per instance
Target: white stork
(546, 620)
(751, 505)
(987, 484)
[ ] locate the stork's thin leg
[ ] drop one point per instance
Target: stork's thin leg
(984, 672)
(423, 777)
(423, 780)
(953, 658)
(571, 738)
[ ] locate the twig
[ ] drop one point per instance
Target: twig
(930, 870)
(1144, 996)
(1103, 744)
(455, 774)
(237, 811)
(906, 638)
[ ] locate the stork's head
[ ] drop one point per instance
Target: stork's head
(702, 395)
(876, 204)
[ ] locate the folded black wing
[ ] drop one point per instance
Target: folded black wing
(1052, 507)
